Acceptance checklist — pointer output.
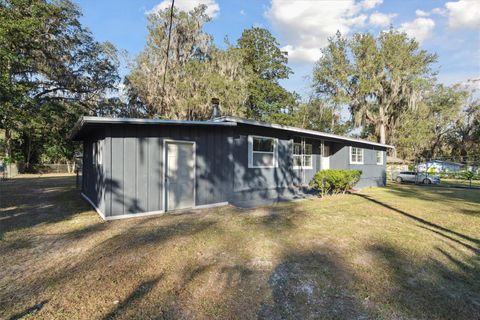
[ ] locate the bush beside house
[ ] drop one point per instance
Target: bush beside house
(335, 181)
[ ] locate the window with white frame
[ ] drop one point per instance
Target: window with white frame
(297, 155)
(262, 152)
(302, 157)
(356, 155)
(379, 155)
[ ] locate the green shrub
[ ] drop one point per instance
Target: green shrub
(335, 181)
(467, 175)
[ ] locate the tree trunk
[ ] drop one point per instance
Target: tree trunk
(29, 152)
(8, 144)
(382, 126)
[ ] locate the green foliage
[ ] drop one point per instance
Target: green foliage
(262, 53)
(51, 71)
(467, 175)
(335, 181)
(266, 64)
(368, 74)
(319, 115)
(431, 170)
(197, 71)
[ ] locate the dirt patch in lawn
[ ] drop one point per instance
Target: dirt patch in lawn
(397, 252)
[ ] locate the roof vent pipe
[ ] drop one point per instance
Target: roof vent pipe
(215, 108)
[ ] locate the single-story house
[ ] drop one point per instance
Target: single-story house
(439, 166)
(135, 167)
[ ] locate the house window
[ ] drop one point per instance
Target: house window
(356, 155)
(297, 155)
(262, 152)
(380, 157)
(302, 158)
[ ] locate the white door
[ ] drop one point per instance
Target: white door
(325, 156)
(180, 175)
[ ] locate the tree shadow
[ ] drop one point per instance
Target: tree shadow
(429, 288)
(441, 230)
(142, 289)
(119, 250)
(27, 202)
(30, 311)
(313, 285)
(435, 193)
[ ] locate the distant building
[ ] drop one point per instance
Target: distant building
(439, 166)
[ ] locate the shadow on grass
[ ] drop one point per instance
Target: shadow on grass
(30, 311)
(313, 285)
(143, 289)
(28, 202)
(119, 252)
(436, 193)
(430, 288)
(439, 229)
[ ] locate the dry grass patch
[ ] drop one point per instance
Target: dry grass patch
(399, 252)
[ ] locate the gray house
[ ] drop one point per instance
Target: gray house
(135, 167)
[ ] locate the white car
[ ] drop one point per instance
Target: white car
(417, 177)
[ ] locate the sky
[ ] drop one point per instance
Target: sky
(302, 27)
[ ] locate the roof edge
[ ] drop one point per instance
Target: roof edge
(84, 120)
(300, 130)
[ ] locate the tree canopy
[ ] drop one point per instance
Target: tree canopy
(378, 78)
(266, 100)
(196, 70)
(50, 69)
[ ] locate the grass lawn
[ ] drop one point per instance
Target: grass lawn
(460, 182)
(400, 252)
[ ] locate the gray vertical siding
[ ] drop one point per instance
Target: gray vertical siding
(134, 175)
(372, 173)
(93, 174)
(131, 177)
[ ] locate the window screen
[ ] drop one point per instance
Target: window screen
(356, 155)
(262, 152)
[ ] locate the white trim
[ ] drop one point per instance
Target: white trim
(294, 166)
(135, 215)
(84, 120)
(100, 213)
(250, 152)
(350, 156)
(381, 157)
(212, 205)
(165, 142)
(311, 162)
(148, 213)
(325, 160)
(159, 212)
(302, 155)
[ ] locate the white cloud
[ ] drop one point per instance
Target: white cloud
(439, 11)
(242, 12)
(302, 53)
(421, 13)
(187, 5)
(305, 25)
(471, 84)
(381, 19)
(370, 4)
(463, 13)
(420, 28)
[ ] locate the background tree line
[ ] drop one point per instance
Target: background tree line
(381, 88)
